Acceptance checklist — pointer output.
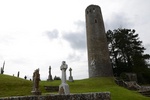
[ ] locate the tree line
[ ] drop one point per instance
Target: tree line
(127, 54)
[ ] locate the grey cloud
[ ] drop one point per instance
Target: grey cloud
(77, 39)
(52, 34)
(74, 57)
(117, 20)
(147, 46)
(80, 25)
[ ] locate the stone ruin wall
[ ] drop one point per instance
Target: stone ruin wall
(85, 96)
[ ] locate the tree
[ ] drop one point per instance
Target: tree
(126, 51)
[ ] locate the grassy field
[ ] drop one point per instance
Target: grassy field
(11, 86)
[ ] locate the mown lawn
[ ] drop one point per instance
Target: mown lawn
(13, 86)
(10, 86)
(103, 84)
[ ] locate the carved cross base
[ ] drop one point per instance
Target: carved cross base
(50, 78)
(64, 89)
(70, 78)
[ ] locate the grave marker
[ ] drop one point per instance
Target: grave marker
(63, 87)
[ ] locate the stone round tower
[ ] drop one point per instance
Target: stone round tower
(98, 54)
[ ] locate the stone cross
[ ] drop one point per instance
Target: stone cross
(63, 87)
(36, 79)
(70, 77)
(70, 71)
(63, 68)
(49, 76)
(49, 70)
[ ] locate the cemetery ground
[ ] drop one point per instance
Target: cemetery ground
(14, 86)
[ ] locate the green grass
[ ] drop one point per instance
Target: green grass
(103, 84)
(10, 86)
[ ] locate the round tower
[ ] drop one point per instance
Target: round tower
(98, 54)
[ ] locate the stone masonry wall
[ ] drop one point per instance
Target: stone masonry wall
(98, 54)
(84, 96)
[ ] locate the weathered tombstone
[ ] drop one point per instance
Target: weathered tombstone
(70, 77)
(36, 79)
(57, 78)
(18, 74)
(63, 87)
(49, 76)
(131, 77)
(2, 68)
(25, 77)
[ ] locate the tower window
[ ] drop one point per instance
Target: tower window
(93, 9)
(95, 20)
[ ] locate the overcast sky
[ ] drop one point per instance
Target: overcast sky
(42, 33)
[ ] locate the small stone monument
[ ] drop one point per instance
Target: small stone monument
(2, 68)
(49, 76)
(36, 79)
(70, 77)
(25, 77)
(131, 77)
(63, 87)
(18, 74)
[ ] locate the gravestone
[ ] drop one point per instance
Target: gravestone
(18, 74)
(49, 76)
(57, 78)
(63, 87)
(25, 77)
(2, 68)
(36, 79)
(52, 88)
(131, 77)
(70, 77)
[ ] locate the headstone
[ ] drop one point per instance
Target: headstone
(57, 78)
(131, 77)
(70, 77)
(25, 77)
(98, 55)
(36, 79)
(64, 87)
(2, 68)
(49, 76)
(18, 74)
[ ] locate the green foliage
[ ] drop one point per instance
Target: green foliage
(13, 86)
(127, 53)
(123, 76)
